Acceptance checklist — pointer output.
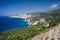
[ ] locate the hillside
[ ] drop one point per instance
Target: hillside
(27, 33)
(53, 34)
(53, 11)
(54, 15)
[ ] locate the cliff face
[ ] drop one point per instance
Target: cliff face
(25, 16)
(52, 34)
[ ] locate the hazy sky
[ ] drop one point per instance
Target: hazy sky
(13, 7)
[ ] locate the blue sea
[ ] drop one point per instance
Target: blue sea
(8, 23)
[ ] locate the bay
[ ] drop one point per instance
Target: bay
(8, 23)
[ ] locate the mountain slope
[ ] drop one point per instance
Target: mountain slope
(52, 34)
(53, 11)
(27, 33)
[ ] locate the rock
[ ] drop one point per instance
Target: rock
(53, 34)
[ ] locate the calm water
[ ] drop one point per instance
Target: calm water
(7, 23)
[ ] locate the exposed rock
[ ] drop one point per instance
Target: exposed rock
(52, 34)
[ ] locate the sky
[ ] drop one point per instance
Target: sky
(14, 7)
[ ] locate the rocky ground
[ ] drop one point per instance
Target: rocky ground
(53, 34)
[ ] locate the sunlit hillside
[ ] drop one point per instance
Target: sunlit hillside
(29, 32)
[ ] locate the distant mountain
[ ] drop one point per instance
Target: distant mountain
(53, 11)
(49, 15)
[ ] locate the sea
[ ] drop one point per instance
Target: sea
(8, 23)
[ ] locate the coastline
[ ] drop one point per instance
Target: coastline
(24, 16)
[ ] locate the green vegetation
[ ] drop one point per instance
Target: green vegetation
(23, 33)
(30, 31)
